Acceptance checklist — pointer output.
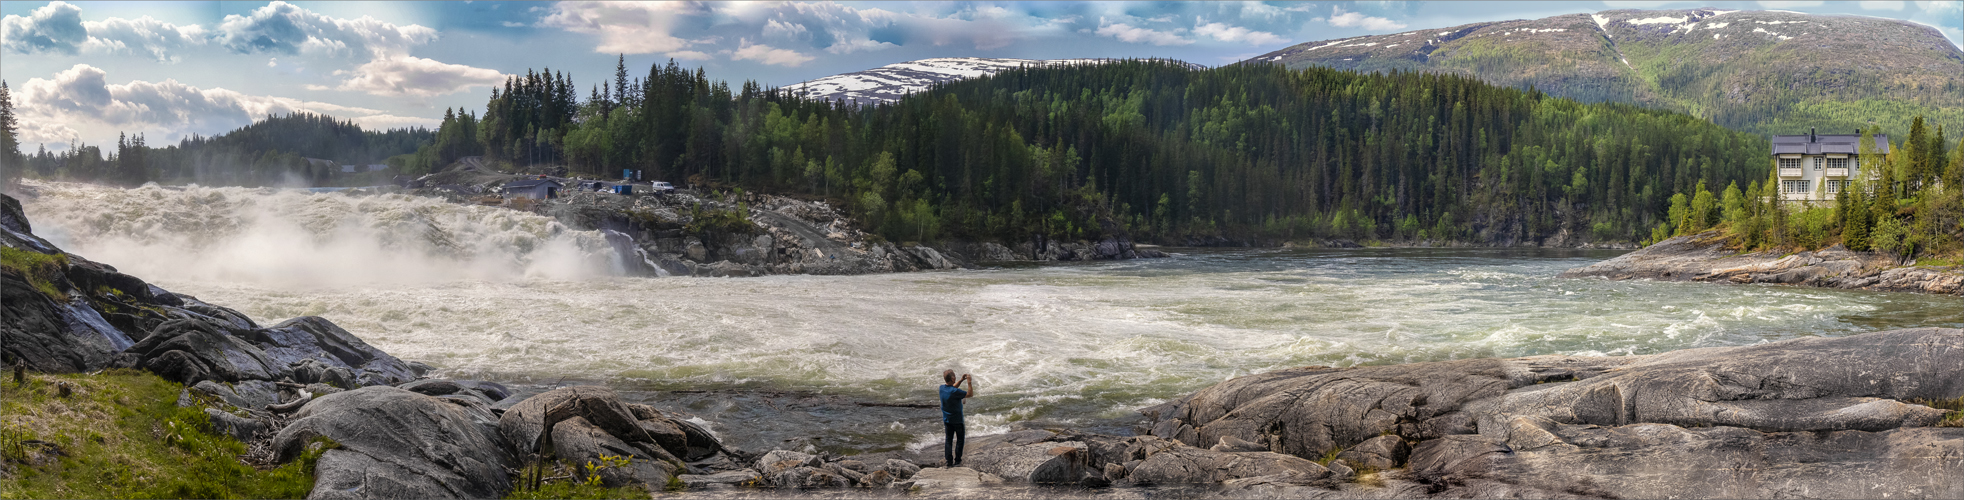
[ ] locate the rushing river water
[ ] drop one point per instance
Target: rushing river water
(838, 362)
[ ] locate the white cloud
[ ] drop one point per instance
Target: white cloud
(55, 27)
(770, 55)
(416, 76)
(689, 54)
(786, 31)
(1252, 10)
(1130, 34)
(1342, 19)
(80, 104)
(1237, 34)
(1639, 4)
(510, 24)
(859, 45)
(1788, 4)
(626, 27)
(58, 28)
(1887, 5)
(284, 28)
(1938, 7)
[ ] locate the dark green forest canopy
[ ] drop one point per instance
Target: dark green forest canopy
(1149, 148)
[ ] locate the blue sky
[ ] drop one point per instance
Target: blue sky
(88, 70)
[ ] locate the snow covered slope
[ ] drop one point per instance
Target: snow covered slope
(889, 83)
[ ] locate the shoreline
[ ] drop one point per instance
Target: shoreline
(1704, 258)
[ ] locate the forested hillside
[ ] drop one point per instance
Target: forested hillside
(1768, 72)
(272, 151)
(1150, 148)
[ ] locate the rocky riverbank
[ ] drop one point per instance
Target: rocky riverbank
(1703, 257)
(690, 233)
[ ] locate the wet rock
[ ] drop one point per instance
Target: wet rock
(901, 469)
(1194, 465)
(399, 444)
(310, 370)
(189, 351)
(312, 337)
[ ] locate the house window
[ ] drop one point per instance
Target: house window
(1837, 163)
(1834, 186)
(1794, 186)
(1789, 163)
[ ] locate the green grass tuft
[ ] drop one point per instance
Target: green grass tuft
(1955, 416)
(120, 434)
(38, 268)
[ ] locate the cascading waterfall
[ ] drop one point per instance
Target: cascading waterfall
(275, 235)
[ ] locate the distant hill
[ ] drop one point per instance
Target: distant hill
(1759, 71)
(889, 83)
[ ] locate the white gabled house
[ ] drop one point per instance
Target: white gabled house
(1815, 167)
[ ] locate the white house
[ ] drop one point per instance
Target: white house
(1815, 167)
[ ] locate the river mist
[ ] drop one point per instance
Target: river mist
(836, 361)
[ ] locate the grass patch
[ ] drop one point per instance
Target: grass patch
(120, 434)
(1954, 418)
(1328, 457)
(40, 269)
(564, 480)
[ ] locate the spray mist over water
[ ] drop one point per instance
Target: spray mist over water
(1071, 344)
(295, 238)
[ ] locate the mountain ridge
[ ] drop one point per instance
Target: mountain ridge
(891, 82)
(1763, 71)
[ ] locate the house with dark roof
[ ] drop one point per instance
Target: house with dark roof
(537, 189)
(1816, 167)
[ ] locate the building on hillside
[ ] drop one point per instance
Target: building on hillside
(1815, 167)
(537, 189)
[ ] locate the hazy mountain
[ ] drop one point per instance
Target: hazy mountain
(1762, 71)
(891, 82)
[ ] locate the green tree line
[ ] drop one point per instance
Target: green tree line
(1905, 202)
(1149, 148)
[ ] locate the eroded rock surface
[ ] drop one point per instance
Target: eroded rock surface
(1703, 257)
(400, 444)
(1802, 417)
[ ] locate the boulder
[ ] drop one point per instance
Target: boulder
(1041, 463)
(1194, 465)
(786, 459)
(311, 370)
(900, 469)
(526, 422)
(578, 442)
(189, 351)
(400, 444)
(312, 337)
(489, 393)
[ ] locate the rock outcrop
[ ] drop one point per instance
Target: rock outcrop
(395, 443)
(1703, 257)
(1797, 417)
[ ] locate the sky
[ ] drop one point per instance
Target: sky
(85, 71)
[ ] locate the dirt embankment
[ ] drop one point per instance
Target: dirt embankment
(1703, 257)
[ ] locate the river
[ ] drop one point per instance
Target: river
(846, 363)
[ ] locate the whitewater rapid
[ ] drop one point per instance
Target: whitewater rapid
(516, 298)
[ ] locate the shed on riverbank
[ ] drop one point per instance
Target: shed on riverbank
(537, 189)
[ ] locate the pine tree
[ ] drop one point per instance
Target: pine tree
(11, 163)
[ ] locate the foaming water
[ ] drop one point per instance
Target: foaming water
(296, 238)
(1072, 344)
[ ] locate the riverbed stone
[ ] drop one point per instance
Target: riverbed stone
(399, 444)
(1185, 465)
(745, 477)
(578, 442)
(524, 422)
(948, 478)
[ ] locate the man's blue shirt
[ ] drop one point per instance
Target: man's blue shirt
(951, 404)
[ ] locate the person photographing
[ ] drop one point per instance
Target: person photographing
(951, 415)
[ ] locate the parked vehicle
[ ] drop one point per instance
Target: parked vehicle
(659, 187)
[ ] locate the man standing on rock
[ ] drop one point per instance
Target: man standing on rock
(951, 415)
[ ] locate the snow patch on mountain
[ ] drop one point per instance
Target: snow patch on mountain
(891, 82)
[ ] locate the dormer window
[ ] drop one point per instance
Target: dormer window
(1837, 163)
(1789, 163)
